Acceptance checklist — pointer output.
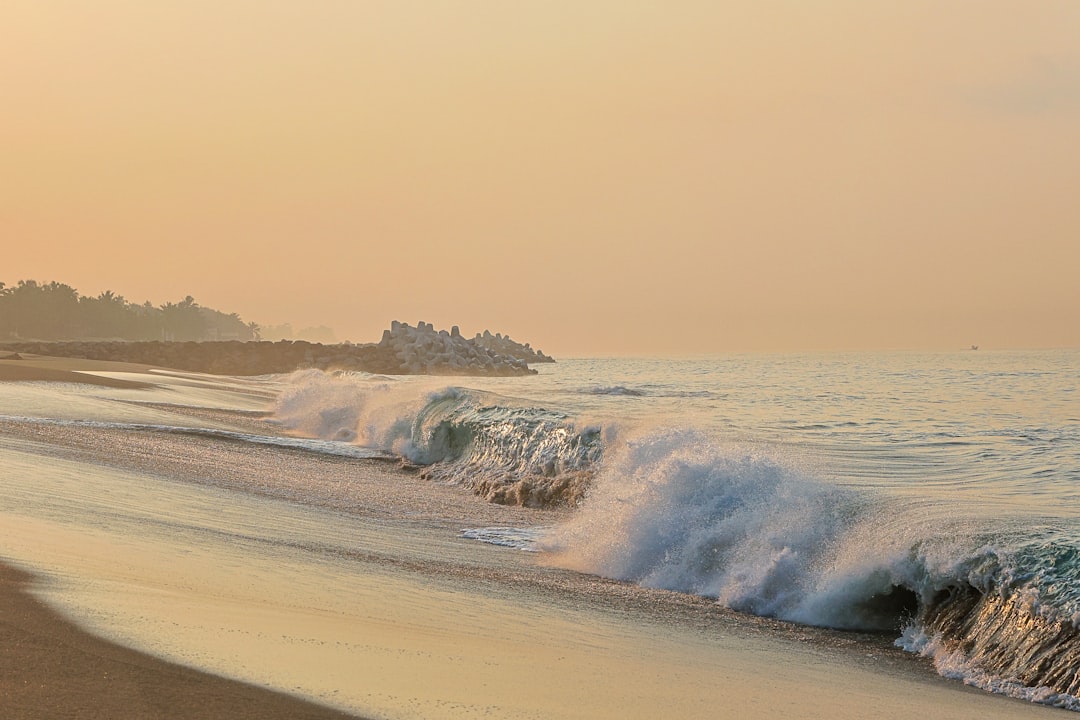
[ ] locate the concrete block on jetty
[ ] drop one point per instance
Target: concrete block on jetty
(503, 345)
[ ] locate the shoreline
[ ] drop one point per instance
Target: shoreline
(366, 587)
(52, 668)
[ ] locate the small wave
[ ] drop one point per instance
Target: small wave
(527, 539)
(505, 453)
(615, 390)
(657, 391)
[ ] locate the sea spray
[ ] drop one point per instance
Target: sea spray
(678, 511)
(374, 411)
(321, 405)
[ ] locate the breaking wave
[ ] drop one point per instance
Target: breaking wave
(746, 526)
(993, 600)
(505, 453)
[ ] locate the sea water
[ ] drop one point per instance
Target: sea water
(929, 497)
(935, 496)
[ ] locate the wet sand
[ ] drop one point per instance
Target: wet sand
(15, 367)
(49, 668)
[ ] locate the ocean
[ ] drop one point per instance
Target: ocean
(918, 508)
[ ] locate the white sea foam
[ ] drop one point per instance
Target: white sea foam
(369, 410)
(527, 539)
(746, 526)
(951, 662)
(675, 512)
(321, 405)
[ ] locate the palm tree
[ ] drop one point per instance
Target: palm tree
(183, 321)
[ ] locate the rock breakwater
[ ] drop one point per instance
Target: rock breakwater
(404, 350)
(502, 345)
(423, 350)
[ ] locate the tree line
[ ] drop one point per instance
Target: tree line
(55, 311)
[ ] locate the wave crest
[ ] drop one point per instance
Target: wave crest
(678, 512)
(504, 453)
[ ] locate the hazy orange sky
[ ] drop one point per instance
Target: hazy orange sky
(592, 177)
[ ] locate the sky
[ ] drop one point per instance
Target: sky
(594, 177)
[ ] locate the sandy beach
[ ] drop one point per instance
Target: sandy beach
(540, 360)
(189, 572)
(50, 668)
(16, 367)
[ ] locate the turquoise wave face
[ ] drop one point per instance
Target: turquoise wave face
(1046, 572)
(1016, 633)
(528, 456)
